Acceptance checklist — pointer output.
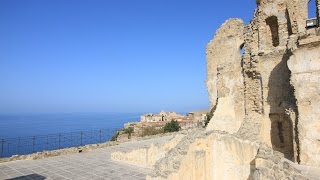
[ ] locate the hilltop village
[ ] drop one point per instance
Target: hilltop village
(152, 123)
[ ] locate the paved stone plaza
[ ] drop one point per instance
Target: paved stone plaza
(95, 164)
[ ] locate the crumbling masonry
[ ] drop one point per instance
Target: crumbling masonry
(279, 89)
(263, 81)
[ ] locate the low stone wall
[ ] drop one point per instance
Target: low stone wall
(46, 154)
(147, 155)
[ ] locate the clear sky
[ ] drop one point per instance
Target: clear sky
(108, 55)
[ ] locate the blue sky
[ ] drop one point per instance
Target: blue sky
(108, 55)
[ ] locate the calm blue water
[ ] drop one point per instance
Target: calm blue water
(30, 133)
(22, 125)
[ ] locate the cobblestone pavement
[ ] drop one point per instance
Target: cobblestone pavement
(92, 165)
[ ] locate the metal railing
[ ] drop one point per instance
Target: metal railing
(33, 144)
(312, 22)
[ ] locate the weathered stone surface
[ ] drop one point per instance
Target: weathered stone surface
(204, 159)
(148, 155)
(265, 102)
(269, 164)
(305, 67)
(270, 106)
(217, 155)
(271, 112)
(224, 77)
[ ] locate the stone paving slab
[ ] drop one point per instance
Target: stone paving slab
(95, 164)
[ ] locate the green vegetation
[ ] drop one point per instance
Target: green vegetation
(209, 117)
(149, 131)
(115, 136)
(258, 2)
(172, 126)
(128, 131)
(206, 122)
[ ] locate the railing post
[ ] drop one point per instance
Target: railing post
(2, 147)
(33, 143)
(100, 136)
(81, 138)
(19, 146)
(47, 142)
(59, 141)
(91, 137)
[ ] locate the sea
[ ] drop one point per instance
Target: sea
(29, 133)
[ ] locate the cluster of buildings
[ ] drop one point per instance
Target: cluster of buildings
(159, 120)
(192, 118)
(162, 117)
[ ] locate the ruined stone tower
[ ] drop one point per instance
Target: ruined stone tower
(258, 95)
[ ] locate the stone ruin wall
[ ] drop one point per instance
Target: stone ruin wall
(263, 81)
(147, 156)
(305, 74)
(225, 79)
(220, 155)
(205, 160)
(262, 104)
(266, 68)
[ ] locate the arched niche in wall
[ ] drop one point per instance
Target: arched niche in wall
(289, 23)
(241, 49)
(273, 30)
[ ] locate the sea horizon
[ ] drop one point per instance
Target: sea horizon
(14, 125)
(25, 124)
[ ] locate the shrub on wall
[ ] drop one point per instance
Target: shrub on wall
(172, 126)
(128, 131)
(258, 2)
(115, 136)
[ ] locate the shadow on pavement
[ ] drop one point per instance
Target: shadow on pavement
(31, 176)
